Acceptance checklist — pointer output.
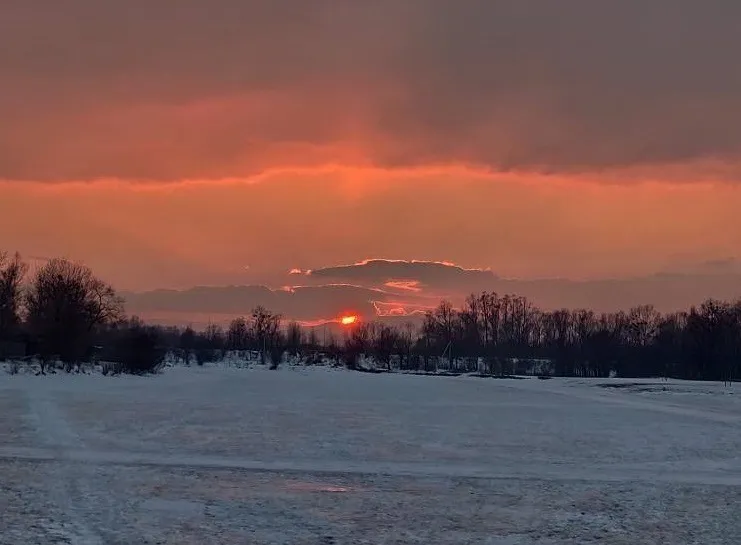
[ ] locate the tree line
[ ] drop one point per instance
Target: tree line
(703, 343)
(62, 314)
(65, 316)
(499, 335)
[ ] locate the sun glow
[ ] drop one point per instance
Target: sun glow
(349, 320)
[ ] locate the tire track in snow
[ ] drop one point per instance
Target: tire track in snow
(708, 474)
(69, 480)
(624, 399)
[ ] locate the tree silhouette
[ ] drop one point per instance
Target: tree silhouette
(12, 272)
(65, 303)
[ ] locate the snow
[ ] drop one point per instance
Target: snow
(219, 454)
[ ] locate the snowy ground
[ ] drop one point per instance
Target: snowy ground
(316, 456)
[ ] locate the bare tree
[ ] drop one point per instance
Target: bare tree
(237, 335)
(66, 302)
(187, 345)
(405, 344)
(265, 331)
(384, 342)
(214, 335)
(12, 272)
(559, 333)
(294, 339)
(312, 340)
(277, 349)
(441, 329)
(357, 343)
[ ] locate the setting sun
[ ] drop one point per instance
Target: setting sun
(348, 320)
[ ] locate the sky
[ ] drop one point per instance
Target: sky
(499, 144)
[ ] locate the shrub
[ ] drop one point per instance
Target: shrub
(276, 356)
(139, 351)
(110, 368)
(351, 358)
(207, 355)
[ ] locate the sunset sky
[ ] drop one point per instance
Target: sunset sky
(497, 144)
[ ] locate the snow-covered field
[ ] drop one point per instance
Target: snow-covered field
(319, 456)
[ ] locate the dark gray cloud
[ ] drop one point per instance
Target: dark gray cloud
(668, 291)
(415, 274)
(307, 303)
(156, 90)
(367, 293)
(728, 265)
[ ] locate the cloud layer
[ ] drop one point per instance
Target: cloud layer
(145, 90)
(405, 275)
(299, 303)
(393, 300)
(143, 237)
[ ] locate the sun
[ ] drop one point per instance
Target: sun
(349, 320)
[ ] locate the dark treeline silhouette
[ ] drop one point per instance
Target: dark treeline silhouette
(63, 316)
(509, 334)
(496, 335)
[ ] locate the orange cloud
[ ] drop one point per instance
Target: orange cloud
(203, 232)
(450, 133)
(400, 308)
(273, 85)
(406, 285)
